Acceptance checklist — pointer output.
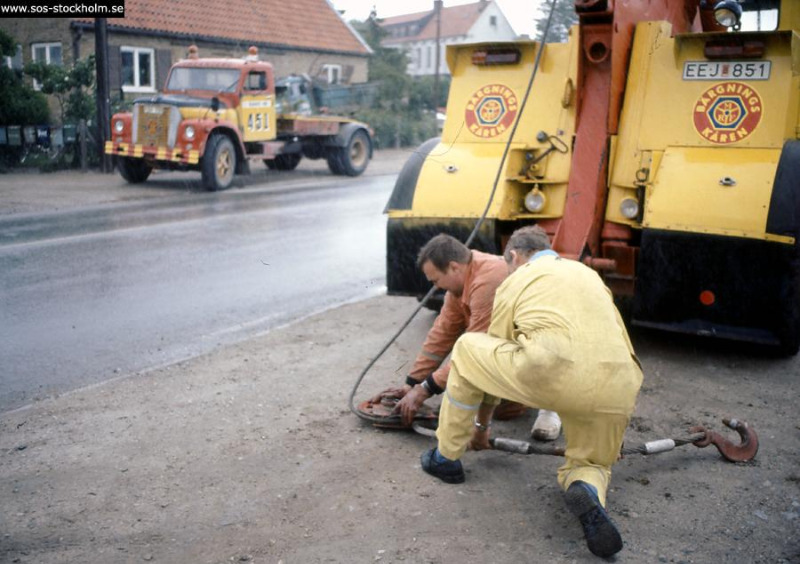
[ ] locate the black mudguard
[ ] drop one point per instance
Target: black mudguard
(406, 236)
(402, 197)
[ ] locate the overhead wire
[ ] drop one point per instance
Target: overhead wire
(470, 238)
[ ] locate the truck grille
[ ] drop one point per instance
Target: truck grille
(155, 125)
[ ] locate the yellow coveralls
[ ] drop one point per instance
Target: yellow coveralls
(556, 342)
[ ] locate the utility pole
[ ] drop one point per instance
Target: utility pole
(103, 102)
(437, 8)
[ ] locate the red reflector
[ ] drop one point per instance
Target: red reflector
(495, 57)
(707, 297)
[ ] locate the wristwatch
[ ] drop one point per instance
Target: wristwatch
(480, 426)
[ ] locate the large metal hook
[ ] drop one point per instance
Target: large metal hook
(744, 452)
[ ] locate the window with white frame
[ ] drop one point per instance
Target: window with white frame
(47, 53)
(334, 73)
(137, 69)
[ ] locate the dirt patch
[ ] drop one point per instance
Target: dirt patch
(249, 454)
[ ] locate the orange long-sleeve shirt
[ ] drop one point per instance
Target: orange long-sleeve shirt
(472, 311)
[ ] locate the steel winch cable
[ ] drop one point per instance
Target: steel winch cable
(472, 235)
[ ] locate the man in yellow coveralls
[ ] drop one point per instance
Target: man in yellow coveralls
(556, 341)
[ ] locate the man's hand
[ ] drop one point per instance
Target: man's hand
(479, 440)
(411, 403)
(395, 392)
(480, 432)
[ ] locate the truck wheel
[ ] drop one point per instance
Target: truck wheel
(219, 163)
(287, 162)
(784, 219)
(334, 162)
(789, 317)
(134, 171)
(790, 338)
(354, 157)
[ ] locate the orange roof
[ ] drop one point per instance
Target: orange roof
(456, 21)
(309, 24)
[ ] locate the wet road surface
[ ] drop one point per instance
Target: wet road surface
(97, 293)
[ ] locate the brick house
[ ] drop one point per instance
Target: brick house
(416, 33)
(302, 36)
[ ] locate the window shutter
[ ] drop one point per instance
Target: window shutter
(163, 64)
(114, 82)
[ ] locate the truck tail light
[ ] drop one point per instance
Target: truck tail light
(734, 48)
(505, 56)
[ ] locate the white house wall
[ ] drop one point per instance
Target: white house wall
(481, 30)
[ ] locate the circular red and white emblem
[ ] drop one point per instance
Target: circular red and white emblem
(727, 112)
(491, 110)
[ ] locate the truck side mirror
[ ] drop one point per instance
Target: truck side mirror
(214, 104)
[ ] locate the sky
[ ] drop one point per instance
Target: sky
(521, 14)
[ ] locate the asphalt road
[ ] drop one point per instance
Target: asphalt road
(90, 294)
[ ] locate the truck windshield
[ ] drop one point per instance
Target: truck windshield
(204, 78)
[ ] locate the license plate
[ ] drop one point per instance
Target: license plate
(726, 70)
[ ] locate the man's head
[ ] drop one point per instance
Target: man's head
(523, 244)
(444, 260)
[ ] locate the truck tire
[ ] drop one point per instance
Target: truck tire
(219, 163)
(784, 219)
(134, 171)
(334, 163)
(790, 316)
(354, 156)
(287, 162)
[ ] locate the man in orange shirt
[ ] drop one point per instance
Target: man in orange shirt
(470, 279)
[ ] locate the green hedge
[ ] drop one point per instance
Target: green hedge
(398, 129)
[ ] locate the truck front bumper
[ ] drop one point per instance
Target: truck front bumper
(191, 157)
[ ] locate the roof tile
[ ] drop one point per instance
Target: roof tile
(456, 21)
(312, 24)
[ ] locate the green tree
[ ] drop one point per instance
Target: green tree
(422, 92)
(68, 85)
(19, 103)
(398, 114)
(7, 44)
(564, 17)
(387, 66)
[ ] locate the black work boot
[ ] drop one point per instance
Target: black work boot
(450, 471)
(601, 534)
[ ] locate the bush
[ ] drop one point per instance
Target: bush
(398, 129)
(20, 104)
